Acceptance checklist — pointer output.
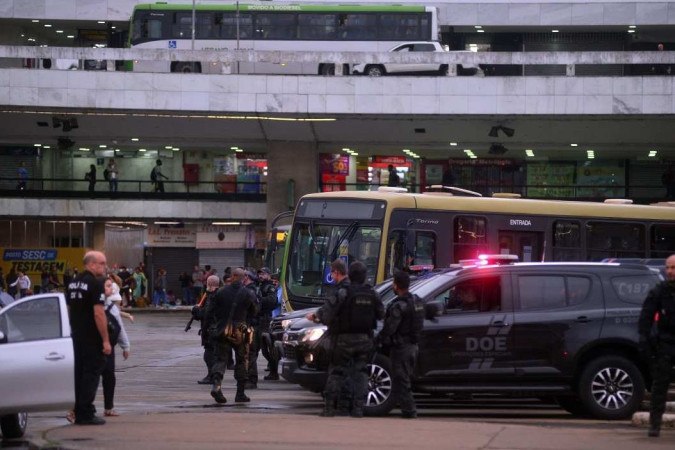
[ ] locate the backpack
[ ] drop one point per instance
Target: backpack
(106, 174)
(153, 175)
(114, 327)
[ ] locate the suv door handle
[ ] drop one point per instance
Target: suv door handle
(53, 356)
(499, 323)
(583, 319)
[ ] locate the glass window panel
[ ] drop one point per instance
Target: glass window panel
(357, 27)
(469, 237)
(634, 289)
(662, 240)
(317, 26)
(395, 252)
(531, 291)
(425, 249)
(276, 26)
(226, 25)
(33, 320)
(578, 289)
(478, 295)
(615, 240)
(182, 26)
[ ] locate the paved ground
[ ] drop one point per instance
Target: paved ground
(162, 406)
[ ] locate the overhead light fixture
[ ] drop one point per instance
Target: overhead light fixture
(102, 146)
(652, 153)
(632, 27)
(590, 154)
(529, 153)
(167, 223)
(239, 150)
(168, 147)
(497, 149)
(71, 36)
(574, 145)
(453, 144)
(225, 223)
(478, 27)
(37, 145)
(46, 146)
(141, 150)
(48, 25)
(84, 149)
(175, 149)
(631, 31)
(35, 21)
(59, 31)
(554, 31)
(102, 22)
(234, 148)
(494, 131)
(134, 139)
(480, 31)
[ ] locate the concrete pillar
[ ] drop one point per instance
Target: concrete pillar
(98, 236)
(292, 172)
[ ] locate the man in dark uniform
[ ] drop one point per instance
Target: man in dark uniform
(403, 323)
(238, 304)
(86, 299)
(351, 316)
(250, 281)
(268, 303)
(661, 344)
(212, 284)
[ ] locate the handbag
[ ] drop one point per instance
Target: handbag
(233, 333)
(114, 327)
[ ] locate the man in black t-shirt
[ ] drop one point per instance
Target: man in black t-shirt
(86, 298)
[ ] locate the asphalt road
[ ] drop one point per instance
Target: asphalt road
(157, 390)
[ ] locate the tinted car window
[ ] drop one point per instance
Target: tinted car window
(537, 291)
(477, 295)
(32, 320)
(578, 289)
(633, 289)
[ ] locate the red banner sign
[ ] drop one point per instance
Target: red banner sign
(335, 164)
(394, 160)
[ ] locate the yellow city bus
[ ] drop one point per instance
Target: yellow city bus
(389, 230)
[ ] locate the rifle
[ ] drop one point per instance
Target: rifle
(198, 305)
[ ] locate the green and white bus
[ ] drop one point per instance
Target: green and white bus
(275, 27)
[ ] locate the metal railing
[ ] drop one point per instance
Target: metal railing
(170, 189)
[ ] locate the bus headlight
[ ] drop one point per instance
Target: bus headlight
(312, 334)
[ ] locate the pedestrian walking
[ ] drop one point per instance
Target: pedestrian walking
(113, 175)
(91, 177)
(394, 179)
(657, 339)
(400, 335)
(156, 177)
(23, 176)
(186, 286)
(86, 300)
(159, 288)
(351, 315)
(22, 283)
(10, 282)
(198, 313)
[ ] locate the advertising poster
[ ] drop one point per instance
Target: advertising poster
(601, 180)
(335, 164)
(170, 237)
(546, 180)
(33, 261)
(234, 237)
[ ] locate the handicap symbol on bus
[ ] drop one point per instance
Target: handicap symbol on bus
(172, 44)
(327, 278)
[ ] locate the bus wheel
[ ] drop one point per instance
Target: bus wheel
(187, 67)
(374, 71)
(326, 69)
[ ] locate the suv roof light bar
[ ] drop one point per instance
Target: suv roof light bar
(619, 201)
(492, 260)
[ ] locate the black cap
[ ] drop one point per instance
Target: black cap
(251, 275)
(265, 270)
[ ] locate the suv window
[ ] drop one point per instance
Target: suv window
(32, 320)
(560, 291)
(476, 295)
(424, 48)
(633, 289)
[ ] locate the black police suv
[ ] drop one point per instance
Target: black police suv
(562, 330)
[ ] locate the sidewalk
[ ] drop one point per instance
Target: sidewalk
(227, 427)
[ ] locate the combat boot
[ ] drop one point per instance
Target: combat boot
(654, 430)
(217, 394)
(241, 397)
(328, 407)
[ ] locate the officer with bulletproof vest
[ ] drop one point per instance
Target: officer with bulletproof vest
(198, 313)
(400, 335)
(351, 315)
(657, 339)
(250, 281)
(268, 303)
(233, 304)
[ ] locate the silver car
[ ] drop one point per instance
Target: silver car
(36, 360)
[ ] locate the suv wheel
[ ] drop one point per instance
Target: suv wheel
(14, 425)
(379, 400)
(374, 71)
(611, 387)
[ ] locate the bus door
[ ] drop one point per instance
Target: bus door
(528, 245)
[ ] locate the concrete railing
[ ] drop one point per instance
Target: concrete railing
(338, 58)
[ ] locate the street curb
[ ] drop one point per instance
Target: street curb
(151, 310)
(642, 418)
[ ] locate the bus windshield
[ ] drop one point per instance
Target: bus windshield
(315, 245)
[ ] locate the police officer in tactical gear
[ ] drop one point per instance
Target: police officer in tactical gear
(660, 342)
(251, 283)
(400, 334)
(351, 316)
(237, 304)
(198, 313)
(268, 303)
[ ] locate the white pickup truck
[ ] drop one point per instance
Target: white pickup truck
(376, 70)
